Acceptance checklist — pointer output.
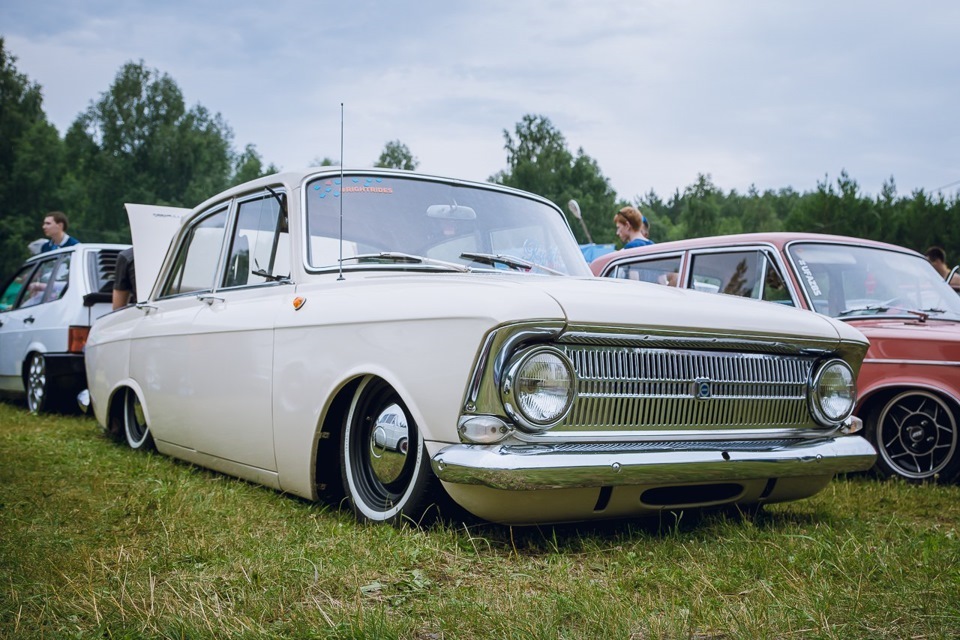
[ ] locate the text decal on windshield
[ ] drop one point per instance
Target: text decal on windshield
(805, 270)
(334, 188)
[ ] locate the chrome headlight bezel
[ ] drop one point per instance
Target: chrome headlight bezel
(819, 395)
(516, 396)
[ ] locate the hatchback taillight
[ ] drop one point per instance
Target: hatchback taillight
(77, 338)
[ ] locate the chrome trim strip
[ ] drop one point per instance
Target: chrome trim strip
(932, 363)
(665, 341)
(510, 468)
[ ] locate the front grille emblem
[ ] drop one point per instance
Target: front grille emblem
(702, 389)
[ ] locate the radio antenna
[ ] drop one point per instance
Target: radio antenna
(340, 261)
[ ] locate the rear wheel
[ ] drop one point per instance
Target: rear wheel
(135, 424)
(384, 483)
(37, 384)
(916, 437)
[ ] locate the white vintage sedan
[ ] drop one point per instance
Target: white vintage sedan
(299, 322)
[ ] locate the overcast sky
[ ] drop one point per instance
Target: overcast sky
(764, 93)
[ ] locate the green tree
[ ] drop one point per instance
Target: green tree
(538, 161)
(700, 213)
(31, 163)
(139, 143)
(249, 166)
(396, 155)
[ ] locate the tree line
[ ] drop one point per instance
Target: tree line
(140, 142)
(539, 161)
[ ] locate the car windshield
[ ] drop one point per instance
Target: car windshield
(402, 222)
(846, 281)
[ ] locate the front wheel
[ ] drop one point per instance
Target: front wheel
(37, 384)
(915, 434)
(384, 482)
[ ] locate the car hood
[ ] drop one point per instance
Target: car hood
(152, 227)
(593, 302)
(606, 300)
(911, 339)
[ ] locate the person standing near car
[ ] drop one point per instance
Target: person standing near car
(630, 227)
(55, 228)
(938, 258)
(124, 280)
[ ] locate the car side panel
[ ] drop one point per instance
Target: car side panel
(422, 339)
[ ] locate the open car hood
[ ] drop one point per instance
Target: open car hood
(152, 227)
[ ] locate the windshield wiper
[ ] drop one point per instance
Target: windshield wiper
(271, 277)
(395, 257)
(873, 309)
(511, 262)
(878, 309)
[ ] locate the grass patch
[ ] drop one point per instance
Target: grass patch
(97, 541)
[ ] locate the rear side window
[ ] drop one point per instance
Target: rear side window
(39, 284)
(659, 271)
(736, 274)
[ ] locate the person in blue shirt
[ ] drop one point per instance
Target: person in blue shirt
(55, 228)
(632, 227)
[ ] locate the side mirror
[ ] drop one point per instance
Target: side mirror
(574, 208)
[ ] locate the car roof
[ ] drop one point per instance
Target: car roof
(779, 239)
(83, 246)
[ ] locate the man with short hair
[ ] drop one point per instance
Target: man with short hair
(55, 228)
(938, 258)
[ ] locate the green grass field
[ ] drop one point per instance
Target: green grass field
(97, 541)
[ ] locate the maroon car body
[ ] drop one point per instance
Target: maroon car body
(909, 386)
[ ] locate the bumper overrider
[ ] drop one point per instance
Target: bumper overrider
(565, 466)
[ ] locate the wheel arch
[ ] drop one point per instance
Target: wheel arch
(879, 395)
(326, 462)
(115, 408)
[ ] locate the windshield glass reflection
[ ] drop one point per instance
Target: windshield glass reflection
(844, 281)
(439, 222)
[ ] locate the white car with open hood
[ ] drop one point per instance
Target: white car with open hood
(401, 339)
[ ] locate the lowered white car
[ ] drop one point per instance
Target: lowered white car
(46, 309)
(400, 339)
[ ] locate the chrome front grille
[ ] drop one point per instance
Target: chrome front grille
(653, 389)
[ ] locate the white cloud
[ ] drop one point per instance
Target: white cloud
(769, 94)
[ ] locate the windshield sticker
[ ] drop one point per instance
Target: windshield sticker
(330, 187)
(808, 274)
(355, 185)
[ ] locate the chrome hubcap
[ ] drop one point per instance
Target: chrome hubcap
(388, 444)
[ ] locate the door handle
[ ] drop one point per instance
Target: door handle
(29, 319)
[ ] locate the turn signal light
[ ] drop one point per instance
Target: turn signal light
(77, 338)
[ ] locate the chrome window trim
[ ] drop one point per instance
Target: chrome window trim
(764, 247)
(232, 221)
(166, 269)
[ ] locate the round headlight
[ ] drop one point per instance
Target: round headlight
(833, 393)
(538, 388)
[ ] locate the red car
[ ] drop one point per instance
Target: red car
(909, 386)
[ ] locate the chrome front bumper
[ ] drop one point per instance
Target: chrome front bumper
(565, 466)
